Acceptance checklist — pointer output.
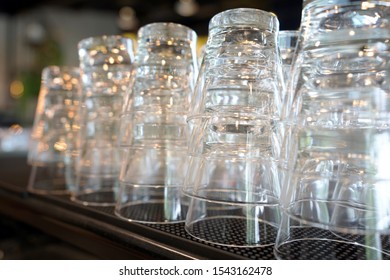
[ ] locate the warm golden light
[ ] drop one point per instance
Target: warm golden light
(16, 128)
(16, 89)
(60, 146)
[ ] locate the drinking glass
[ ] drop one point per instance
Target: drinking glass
(106, 66)
(335, 188)
(153, 125)
(232, 179)
(54, 131)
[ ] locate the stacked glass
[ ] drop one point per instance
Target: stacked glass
(335, 156)
(232, 178)
(154, 134)
(105, 65)
(54, 131)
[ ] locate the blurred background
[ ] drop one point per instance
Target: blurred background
(38, 33)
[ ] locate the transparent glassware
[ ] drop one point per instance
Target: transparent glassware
(153, 125)
(54, 131)
(232, 178)
(335, 190)
(244, 39)
(106, 66)
(287, 41)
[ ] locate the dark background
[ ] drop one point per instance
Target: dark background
(288, 11)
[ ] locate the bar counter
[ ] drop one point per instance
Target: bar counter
(97, 230)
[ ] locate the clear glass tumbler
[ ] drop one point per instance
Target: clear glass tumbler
(106, 66)
(153, 125)
(232, 179)
(336, 192)
(54, 131)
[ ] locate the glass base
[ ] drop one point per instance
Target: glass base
(97, 198)
(47, 180)
(152, 212)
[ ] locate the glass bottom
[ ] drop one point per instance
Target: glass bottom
(152, 204)
(152, 212)
(47, 180)
(49, 187)
(96, 198)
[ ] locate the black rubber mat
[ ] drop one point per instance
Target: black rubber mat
(177, 229)
(345, 247)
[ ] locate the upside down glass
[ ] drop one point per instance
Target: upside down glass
(105, 65)
(54, 131)
(153, 125)
(232, 179)
(335, 188)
